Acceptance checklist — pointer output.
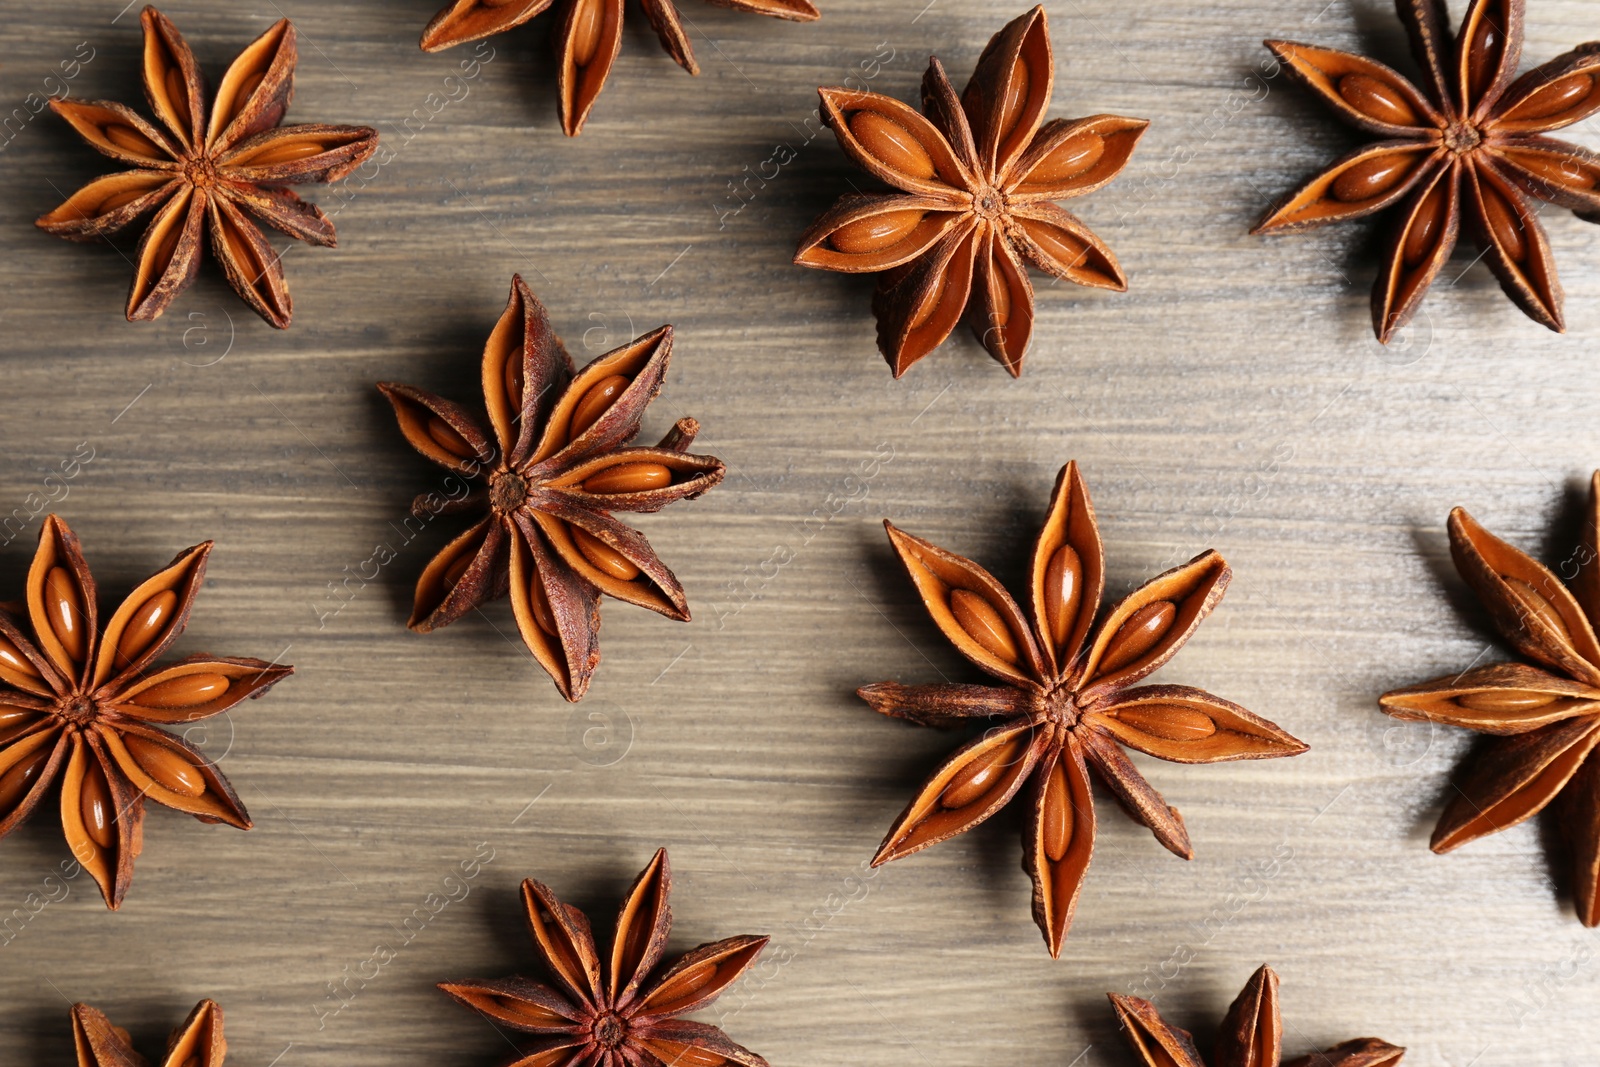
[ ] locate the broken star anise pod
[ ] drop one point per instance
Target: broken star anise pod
(1067, 700)
(210, 167)
(551, 470)
(1467, 143)
(589, 38)
(84, 705)
(621, 1009)
(1251, 1035)
(1545, 723)
(198, 1042)
(976, 180)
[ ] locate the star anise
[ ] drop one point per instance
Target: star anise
(1545, 725)
(196, 1043)
(589, 38)
(1067, 700)
(976, 180)
(210, 167)
(84, 705)
(554, 470)
(1251, 1035)
(621, 1009)
(1469, 142)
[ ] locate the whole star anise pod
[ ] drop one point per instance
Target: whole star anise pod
(589, 38)
(1251, 1035)
(208, 168)
(196, 1043)
(620, 1010)
(976, 180)
(1545, 725)
(550, 476)
(83, 706)
(1067, 700)
(1469, 142)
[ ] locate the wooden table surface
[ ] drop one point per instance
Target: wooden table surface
(1234, 398)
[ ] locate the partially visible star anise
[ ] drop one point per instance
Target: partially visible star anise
(976, 180)
(552, 472)
(1251, 1035)
(1067, 700)
(198, 1042)
(1468, 143)
(617, 1010)
(210, 168)
(84, 706)
(1545, 725)
(589, 38)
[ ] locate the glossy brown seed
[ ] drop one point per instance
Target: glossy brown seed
(1426, 226)
(1060, 245)
(983, 624)
(1376, 100)
(1504, 225)
(1371, 178)
(14, 667)
(1055, 831)
(629, 478)
(1139, 635)
(145, 626)
(930, 302)
(1015, 99)
(1558, 96)
(684, 986)
(178, 96)
(287, 152)
(247, 88)
(131, 140)
(1063, 589)
(167, 767)
(513, 378)
(458, 566)
(14, 722)
(586, 23)
(1069, 160)
(532, 1014)
(892, 144)
(1171, 722)
(876, 232)
(1559, 171)
(445, 436)
(1487, 42)
(169, 244)
(979, 776)
(681, 1055)
(187, 691)
(65, 612)
(118, 200)
(1537, 605)
(605, 558)
(539, 603)
(94, 803)
(595, 403)
(16, 782)
(1501, 700)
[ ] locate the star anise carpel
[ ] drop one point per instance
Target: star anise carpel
(197, 1042)
(1543, 718)
(216, 164)
(1067, 699)
(621, 1008)
(84, 706)
(975, 181)
(1251, 1035)
(589, 38)
(1466, 144)
(551, 468)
